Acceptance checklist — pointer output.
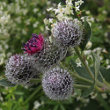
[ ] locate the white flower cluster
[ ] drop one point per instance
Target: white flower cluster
(99, 51)
(4, 20)
(62, 12)
(78, 4)
(89, 19)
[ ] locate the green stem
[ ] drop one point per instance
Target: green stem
(83, 62)
(32, 95)
(75, 74)
(79, 86)
(105, 82)
(82, 78)
(86, 66)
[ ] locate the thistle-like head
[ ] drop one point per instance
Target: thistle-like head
(68, 32)
(19, 69)
(34, 45)
(57, 84)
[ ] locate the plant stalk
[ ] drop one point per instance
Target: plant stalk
(83, 62)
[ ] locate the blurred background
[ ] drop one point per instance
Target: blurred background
(18, 20)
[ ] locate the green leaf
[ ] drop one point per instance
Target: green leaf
(62, 107)
(77, 92)
(80, 70)
(86, 35)
(83, 72)
(86, 93)
(4, 82)
(106, 73)
(56, 107)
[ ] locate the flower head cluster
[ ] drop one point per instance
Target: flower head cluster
(45, 55)
(57, 84)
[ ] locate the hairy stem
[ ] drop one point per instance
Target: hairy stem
(105, 82)
(86, 66)
(79, 86)
(82, 78)
(83, 62)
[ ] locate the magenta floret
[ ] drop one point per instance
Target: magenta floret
(34, 45)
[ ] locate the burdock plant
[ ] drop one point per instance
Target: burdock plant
(69, 33)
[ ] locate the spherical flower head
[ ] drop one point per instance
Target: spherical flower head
(50, 56)
(34, 45)
(57, 84)
(19, 69)
(68, 32)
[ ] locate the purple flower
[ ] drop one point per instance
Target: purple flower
(34, 45)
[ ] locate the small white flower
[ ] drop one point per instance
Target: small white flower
(59, 10)
(104, 95)
(35, 10)
(81, 2)
(68, 11)
(107, 61)
(78, 64)
(104, 12)
(77, 8)
(35, 24)
(46, 21)
(108, 67)
(47, 28)
(59, 6)
(87, 12)
(69, 3)
(78, 4)
(87, 52)
(101, 58)
(36, 105)
(50, 9)
(89, 45)
(60, 16)
(105, 34)
(50, 20)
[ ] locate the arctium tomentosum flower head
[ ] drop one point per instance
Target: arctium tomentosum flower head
(68, 32)
(57, 84)
(34, 45)
(49, 56)
(19, 69)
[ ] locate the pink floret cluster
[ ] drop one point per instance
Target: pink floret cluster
(34, 45)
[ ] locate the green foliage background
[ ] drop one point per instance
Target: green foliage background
(26, 17)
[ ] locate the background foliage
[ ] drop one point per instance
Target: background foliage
(18, 20)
